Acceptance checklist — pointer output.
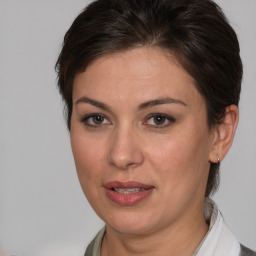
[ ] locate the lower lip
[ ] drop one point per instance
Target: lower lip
(128, 199)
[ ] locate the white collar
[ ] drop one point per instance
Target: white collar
(219, 241)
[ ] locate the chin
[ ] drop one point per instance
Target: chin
(133, 224)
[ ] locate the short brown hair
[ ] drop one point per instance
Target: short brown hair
(197, 32)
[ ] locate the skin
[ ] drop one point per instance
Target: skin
(128, 144)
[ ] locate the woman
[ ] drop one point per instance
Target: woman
(151, 90)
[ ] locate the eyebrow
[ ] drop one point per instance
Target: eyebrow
(142, 106)
(95, 103)
(160, 101)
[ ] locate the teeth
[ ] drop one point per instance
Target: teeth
(128, 190)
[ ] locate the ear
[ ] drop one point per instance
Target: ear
(224, 134)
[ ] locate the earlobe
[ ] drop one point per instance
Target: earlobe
(224, 134)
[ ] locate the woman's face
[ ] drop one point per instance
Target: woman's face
(140, 141)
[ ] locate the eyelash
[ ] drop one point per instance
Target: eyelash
(85, 120)
(168, 118)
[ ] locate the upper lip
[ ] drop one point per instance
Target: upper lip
(127, 184)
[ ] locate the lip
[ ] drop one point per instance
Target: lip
(127, 199)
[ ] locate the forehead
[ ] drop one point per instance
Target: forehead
(136, 74)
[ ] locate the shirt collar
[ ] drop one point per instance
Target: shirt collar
(219, 240)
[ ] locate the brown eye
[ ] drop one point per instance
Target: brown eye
(97, 119)
(159, 120)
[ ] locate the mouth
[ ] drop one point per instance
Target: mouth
(127, 193)
(128, 190)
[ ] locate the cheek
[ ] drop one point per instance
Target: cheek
(182, 157)
(89, 158)
(180, 168)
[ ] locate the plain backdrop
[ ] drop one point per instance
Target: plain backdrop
(43, 211)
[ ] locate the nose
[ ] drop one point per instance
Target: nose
(125, 150)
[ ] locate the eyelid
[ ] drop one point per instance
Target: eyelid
(170, 119)
(85, 118)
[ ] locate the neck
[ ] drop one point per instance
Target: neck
(179, 238)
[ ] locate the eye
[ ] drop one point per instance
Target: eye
(160, 120)
(95, 120)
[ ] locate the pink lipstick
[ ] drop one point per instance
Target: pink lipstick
(127, 193)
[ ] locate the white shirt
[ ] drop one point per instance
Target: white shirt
(219, 241)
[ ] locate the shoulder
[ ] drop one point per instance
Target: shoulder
(246, 251)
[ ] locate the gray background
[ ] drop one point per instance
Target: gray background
(42, 209)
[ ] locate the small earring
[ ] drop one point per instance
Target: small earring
(218, 158)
